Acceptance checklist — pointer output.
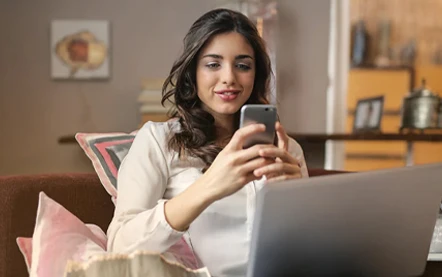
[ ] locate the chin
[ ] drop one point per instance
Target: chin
(228, 109)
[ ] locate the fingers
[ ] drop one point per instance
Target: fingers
(284, 177)
(273, 152)
(251, 153)
(242, 134)
(283, 139)
(255, 164)
(277, 169)
(250, 177)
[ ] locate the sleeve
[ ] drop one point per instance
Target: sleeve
(139, 222)
(296, 151)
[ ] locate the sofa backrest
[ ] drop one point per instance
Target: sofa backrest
(81, 194)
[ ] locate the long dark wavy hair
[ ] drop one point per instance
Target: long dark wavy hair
(198, 133)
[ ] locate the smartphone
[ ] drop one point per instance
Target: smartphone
(259, 113)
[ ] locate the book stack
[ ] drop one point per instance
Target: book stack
(150, 102)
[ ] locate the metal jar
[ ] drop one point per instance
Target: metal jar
(420, 109)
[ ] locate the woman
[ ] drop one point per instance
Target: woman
(191, 176)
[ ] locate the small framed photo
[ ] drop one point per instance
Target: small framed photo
(368, 114)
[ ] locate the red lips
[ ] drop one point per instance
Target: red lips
(228, 91)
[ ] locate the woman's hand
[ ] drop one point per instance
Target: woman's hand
(230, 171)
(285, 166)
(234, 166)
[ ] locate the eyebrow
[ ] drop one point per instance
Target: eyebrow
(239, 57)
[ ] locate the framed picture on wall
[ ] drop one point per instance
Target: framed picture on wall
(80, 49)
(368, 114)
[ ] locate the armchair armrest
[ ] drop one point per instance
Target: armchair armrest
(313, 172)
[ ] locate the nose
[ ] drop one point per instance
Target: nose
(228, 75)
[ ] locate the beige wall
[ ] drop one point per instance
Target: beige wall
(146, 37)
(302, 64)
(35, 110)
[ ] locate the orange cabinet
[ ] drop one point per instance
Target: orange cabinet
(394, 84)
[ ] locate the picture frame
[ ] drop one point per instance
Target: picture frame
(80, 49)
(368, 114)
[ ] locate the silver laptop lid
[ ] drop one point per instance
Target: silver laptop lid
(377, 223)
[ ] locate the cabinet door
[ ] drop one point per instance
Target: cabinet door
(365, 83)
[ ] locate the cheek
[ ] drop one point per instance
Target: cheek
(205, 80)
(247, 80)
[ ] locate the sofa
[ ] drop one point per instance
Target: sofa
(80, 193)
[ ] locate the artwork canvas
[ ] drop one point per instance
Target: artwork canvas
(80, 49)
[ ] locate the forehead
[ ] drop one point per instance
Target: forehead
(231, 43)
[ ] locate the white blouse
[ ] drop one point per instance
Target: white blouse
(150, 174)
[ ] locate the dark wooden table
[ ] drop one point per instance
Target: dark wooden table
(409, 138)
(369, 136)
(433, 269)
(69, 139)
(324, 137)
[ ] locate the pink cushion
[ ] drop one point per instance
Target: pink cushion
(25, 244)
(106, 151)
(59, 236)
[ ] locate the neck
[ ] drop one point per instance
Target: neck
(224, 128)
(224, 124)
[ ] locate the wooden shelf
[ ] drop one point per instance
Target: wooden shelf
(320, 138)
(409, 137)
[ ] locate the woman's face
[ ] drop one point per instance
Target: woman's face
(225, 74)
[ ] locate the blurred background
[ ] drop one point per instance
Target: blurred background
(97, 67)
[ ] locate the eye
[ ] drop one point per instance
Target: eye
(212, 65)
(243, 67)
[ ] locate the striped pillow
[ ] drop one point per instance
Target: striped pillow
(106, 152)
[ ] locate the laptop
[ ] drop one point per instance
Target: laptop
(377, 223)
